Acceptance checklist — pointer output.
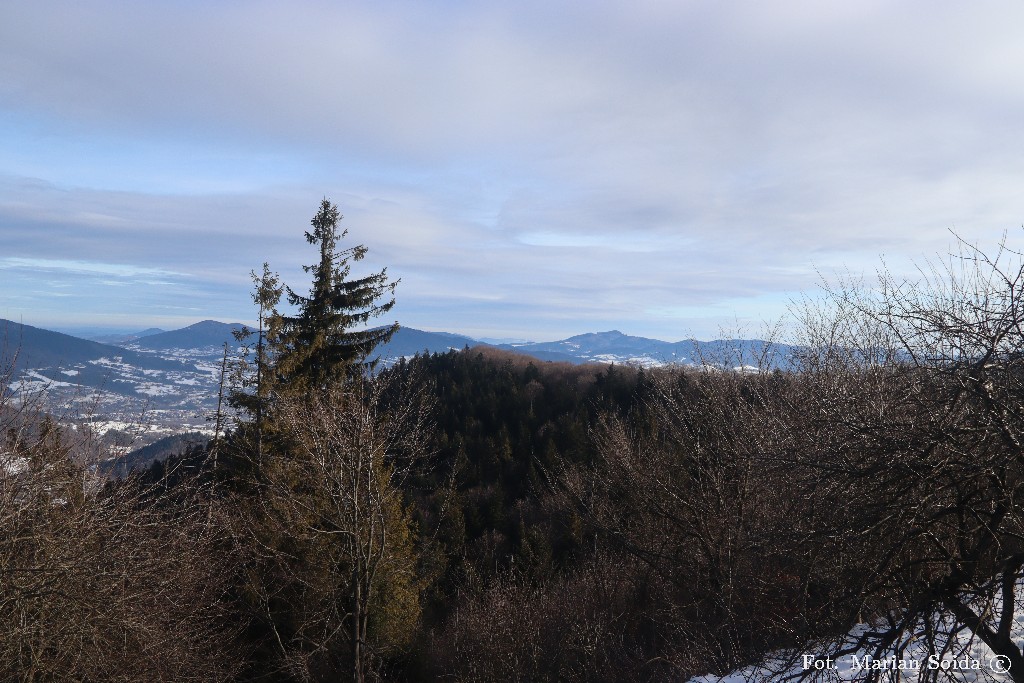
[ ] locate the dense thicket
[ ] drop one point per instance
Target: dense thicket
(503, 425)
(594, 522)
(98, 583)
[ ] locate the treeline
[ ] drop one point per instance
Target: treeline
(504, 426)
(483, 513)
(503, 569)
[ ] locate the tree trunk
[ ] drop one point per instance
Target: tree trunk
(357, 624)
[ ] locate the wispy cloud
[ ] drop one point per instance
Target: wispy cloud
(85, 268)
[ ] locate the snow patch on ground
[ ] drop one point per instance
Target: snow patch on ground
(34, 382)
(967, 659)
(633, 361)
(212, 370)
(154, 389)
(12, 464)
(747, 368)
(43, 378)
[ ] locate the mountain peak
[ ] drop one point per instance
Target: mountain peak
(203, 334)
(608, 336)
(210, 323)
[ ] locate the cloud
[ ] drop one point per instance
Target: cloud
(516, 165)
(128, 272)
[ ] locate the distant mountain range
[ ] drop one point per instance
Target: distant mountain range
(34, 346)
(156, 349)
(155, 383)
(207, 338)
(616, 347)
(207, 335)
(124, 338)
(174, 368)
(594, 347)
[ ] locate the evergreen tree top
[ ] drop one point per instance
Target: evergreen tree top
(326, 340)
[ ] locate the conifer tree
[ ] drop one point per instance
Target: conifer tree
(253, 380)
(309, 559)
(327, 340)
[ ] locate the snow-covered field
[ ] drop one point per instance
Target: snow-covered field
(138, 405)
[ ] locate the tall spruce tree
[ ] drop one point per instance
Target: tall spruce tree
(327, 340)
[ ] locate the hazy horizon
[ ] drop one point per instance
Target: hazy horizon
(88, 331)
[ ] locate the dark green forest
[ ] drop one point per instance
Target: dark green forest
(481, 516)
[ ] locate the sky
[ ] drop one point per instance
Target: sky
(528, 170)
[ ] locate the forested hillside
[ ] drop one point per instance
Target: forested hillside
(504, 426)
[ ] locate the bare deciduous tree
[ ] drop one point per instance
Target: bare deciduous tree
(343, 555)
(690, 497)
(95, 584)
(913, 420)
(878, 481)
